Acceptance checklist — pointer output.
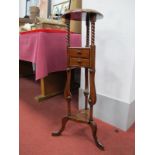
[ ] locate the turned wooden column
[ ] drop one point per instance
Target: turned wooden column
(86, 91)
(92, 97)
(67, 93)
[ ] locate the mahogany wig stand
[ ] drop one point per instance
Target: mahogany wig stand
(78, 57)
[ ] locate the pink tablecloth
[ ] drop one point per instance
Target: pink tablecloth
(47, 50)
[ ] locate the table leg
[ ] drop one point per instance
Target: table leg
(52, 85)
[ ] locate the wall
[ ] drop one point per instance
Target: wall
(57, 1)
(43, 5)
(22, 5)
(114, 61)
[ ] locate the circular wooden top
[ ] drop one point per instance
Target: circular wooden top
(81, 14)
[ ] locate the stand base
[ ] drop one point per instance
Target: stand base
(81, 117)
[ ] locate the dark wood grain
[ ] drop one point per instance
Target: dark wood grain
(81, 14)
(79, 52)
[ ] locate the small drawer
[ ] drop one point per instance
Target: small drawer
(79, 52)
(79, 62)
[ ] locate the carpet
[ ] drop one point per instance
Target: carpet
(38, 120)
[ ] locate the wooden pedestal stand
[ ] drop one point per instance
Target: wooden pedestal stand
(82, 57)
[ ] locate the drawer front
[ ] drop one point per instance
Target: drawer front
(79, 53)
(79, 62)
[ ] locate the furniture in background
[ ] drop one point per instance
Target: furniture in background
(42, 24)
(44, 5)
(50, 25)
(78, 57)
(59, 9)
(47, 50)
(23, 21)
(75, 26)
(30, 47)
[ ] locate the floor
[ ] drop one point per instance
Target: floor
(38, 120)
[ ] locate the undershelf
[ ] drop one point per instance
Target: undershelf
(81, 116)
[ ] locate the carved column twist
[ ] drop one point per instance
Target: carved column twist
(93, 19)
(68, 32)
(92, 96)
(67, 92)
(86, 93)
(87, 32)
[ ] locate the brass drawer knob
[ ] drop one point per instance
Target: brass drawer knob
(79, 61)
(79, 52)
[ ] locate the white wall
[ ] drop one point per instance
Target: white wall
(57, 1)
(22, 5)
(115, 48)
(132, 89)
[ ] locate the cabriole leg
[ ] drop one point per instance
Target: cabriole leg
(94, 132)
(67, 95)
(64, 122)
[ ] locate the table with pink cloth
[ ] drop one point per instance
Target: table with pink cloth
(46, 49)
